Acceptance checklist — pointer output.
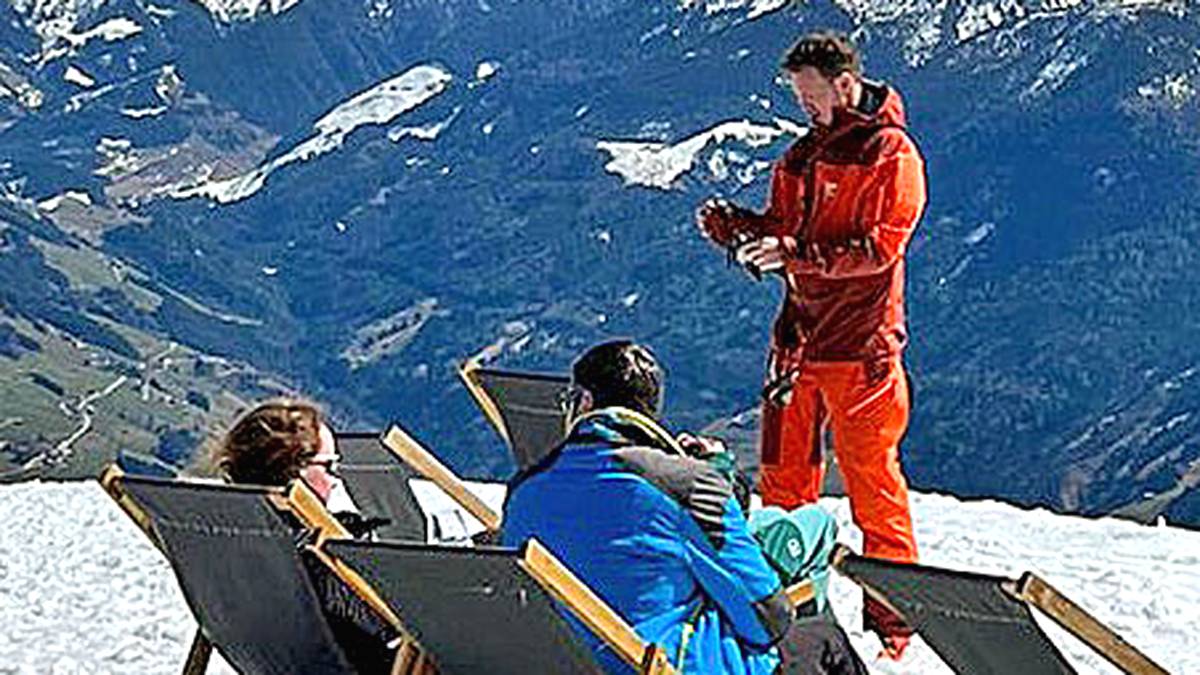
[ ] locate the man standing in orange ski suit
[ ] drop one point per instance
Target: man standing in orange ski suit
(844, 202)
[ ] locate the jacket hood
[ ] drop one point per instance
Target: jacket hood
(622, 426)
(880, 105)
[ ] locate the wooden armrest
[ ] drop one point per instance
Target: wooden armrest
(1076, 620)
(583, 602)
(425, 463)
(800, 592)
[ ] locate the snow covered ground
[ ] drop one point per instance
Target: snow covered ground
(81, 591)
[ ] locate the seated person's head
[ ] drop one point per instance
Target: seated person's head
(279, 441)
(618, 373)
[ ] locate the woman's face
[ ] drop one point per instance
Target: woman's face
(321, 473)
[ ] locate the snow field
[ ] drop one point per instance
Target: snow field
(83, 591)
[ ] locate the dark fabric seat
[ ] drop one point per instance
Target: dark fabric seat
(493, 610)
(237, 562)
(378, 482)
(525, 409)
(970, 620)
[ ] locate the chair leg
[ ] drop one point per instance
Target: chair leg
(405, 655)
(198, 655)
(412, 660)
(654, 662)
(421, 666)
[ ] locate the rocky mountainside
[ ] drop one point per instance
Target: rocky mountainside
(351, 197)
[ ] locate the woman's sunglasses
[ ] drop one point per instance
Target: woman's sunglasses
(332, 465)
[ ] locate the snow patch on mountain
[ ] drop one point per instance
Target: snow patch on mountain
(112, 30)
(486, 70)
(53, 203)
(54, 33)
(979, 18)
(139, 113)
(723, 164)
(752, 8)
(513, 337)
(378, 105)
(231, 11)
(1172, 90)
(16, 85)
(979, 234)
(659, 164)
(927, 26)
(425, 132)
(165, 82)
(78, 77)
(51, 20)
(1055, 73)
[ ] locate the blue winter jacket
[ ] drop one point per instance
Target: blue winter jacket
(661, 539)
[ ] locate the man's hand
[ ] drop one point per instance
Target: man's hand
(768, 254)
(700, 447)
(720, 220)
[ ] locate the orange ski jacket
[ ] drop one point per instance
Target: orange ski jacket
(850, 196)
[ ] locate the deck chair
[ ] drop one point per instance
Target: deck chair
(378, 482)
(494, 610)
(222, 542)
(427, 465)
(983, 624)
(524, 408)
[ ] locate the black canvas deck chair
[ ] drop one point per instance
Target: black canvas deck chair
(983, 624)
(493, 610)
(524, 408)
(234, 552)
(378, 482)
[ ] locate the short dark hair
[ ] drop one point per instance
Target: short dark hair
(830, 53)
(621, 373)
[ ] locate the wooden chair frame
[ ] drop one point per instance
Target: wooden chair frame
(582, 601)
(1035, 592)
(468, 372)
(302, 503)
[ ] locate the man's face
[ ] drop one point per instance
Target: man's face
(819, 96)
(576, 403)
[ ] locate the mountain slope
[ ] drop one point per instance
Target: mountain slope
(297, 214)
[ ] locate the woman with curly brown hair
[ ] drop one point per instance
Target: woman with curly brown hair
(279, 441)
(287, 439)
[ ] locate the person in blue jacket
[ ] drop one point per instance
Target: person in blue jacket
(659, 534)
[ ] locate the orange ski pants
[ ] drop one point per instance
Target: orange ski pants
(867, 409)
